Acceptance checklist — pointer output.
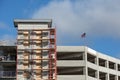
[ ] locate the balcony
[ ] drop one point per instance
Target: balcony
(26, 57)
(26, 74)
(8, 59)
(38, 57)
(37, 67)
(38, 72)
(37, 51)
(21, 37)
(7, 74)
(25, 32)
(38, 42)
(37, 32)
(25, 62)
(35, 37)
(38, 62)
(26, 43)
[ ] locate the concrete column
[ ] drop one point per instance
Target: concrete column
(84, 56)
(116, 67)
(116, 77)
(107, 63)
(97, 74)
(84, 71)
(97, 63)
(86, 67)
(96, 60)
(108, 76)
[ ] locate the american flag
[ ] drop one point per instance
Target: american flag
(83, 35)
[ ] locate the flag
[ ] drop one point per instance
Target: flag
(83, 35)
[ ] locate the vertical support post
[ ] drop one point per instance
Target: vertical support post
(52, 56)
(97, 62)
(55, 57)
(116, 67)
(86, 67)
(17, 56)
(108, 78)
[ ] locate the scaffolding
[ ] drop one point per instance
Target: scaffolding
(36, 45)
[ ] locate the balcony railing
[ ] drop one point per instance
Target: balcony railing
(7, 74)
(7, 58)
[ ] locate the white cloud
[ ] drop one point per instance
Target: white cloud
(7, 40)
(95, 17)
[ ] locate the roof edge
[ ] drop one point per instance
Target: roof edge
(17, 21)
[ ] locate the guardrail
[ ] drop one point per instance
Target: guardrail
(7, 74)
(6, 58)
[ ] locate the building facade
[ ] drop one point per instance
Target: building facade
(7, 62)
(36, 50)
(83, 63)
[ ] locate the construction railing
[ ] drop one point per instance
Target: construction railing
(7, 74)
(7, 58)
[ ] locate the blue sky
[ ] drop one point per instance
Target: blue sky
(100, 19)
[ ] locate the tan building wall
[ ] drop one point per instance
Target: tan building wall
(34, 55)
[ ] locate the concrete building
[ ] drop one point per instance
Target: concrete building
(83, 63)
(36, 50)
(7, 62)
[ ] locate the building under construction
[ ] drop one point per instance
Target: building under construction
(36, 50)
